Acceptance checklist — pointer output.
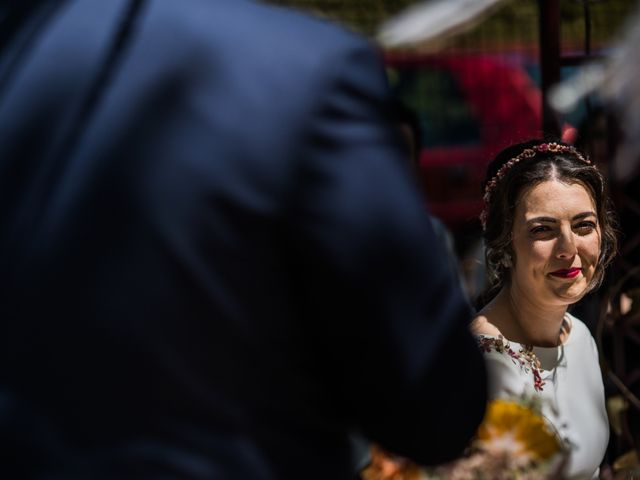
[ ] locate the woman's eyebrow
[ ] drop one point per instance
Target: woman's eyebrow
(554, 220)
(583, 215)
(541, 219)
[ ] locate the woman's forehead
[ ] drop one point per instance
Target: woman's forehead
(554, 199)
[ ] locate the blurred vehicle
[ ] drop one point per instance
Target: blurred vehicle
(469, 108)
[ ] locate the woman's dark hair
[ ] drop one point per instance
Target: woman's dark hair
(507, 184)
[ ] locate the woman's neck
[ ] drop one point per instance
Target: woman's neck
(529, 323)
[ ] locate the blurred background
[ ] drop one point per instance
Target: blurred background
(475, 76)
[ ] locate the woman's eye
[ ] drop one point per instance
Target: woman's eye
(540, 229)
(585, 227)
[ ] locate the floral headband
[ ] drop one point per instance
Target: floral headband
(526, 153)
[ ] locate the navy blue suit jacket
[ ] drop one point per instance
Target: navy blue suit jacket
(213, 261)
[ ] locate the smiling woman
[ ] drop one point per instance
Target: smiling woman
(549, 234)
(556, 241)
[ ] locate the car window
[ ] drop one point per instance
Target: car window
(446, 118)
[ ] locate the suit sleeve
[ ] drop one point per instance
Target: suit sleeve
(383, 309)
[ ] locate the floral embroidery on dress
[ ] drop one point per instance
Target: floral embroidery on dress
(526, 359)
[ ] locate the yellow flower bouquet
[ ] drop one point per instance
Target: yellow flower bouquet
(514, 442)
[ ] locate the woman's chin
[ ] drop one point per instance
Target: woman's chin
(571, 294)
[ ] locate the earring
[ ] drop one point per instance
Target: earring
(506, 261)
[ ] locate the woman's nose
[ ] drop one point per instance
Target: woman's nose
(566, 245)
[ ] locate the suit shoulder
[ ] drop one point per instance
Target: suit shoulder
(298, 23)
(243, 23)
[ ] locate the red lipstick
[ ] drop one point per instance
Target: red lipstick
(567, 272)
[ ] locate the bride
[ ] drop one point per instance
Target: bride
(548, 236)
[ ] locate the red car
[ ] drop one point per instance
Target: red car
(469, 108)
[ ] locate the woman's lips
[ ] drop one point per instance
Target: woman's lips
(567, 273)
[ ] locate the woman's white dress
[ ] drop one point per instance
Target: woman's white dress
(570, 384)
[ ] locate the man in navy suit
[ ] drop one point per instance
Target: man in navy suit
(214, 263)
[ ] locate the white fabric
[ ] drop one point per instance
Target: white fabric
(573, 394)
